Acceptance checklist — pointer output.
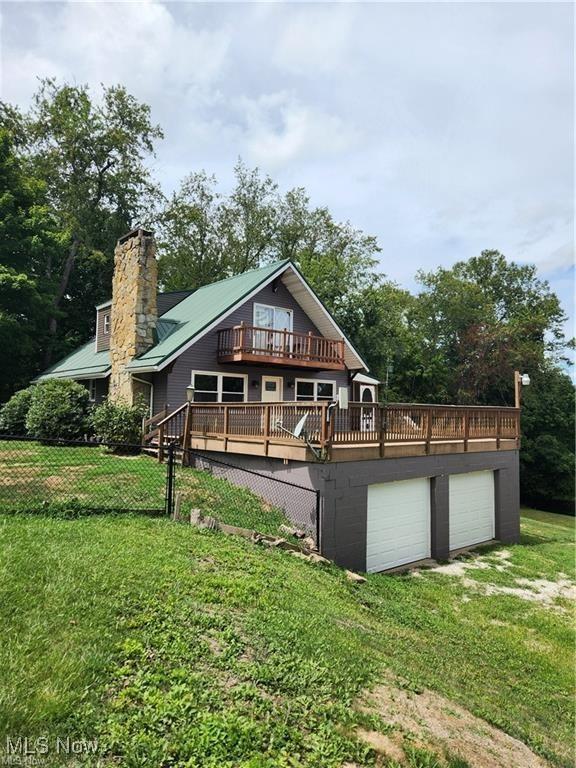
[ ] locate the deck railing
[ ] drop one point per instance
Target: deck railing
(248, 342)
(361, 424)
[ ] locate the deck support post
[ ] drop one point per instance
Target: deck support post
(187, 428)
(266, 429)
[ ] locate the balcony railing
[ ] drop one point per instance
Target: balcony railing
(398, 429)
(251, 344)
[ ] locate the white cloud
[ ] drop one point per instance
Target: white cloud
(140, 44)
(280, 129)
(443, 128)
(315, 39)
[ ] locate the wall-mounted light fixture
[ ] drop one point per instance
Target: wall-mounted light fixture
(290, 384)
(190, 393)
(255, 383)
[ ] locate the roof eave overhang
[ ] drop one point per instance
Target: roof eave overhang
(354, 360)
(72, 375)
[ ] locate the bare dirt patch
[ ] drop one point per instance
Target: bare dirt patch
(543, 591)
(446, 727)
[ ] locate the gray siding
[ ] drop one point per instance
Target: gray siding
(102, 339)
(170, 384)
(344, 489)
(101, 388)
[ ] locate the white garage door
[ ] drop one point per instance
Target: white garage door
(398, 529)
(471, 508)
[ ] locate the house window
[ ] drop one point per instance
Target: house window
(219, 387)
(274, 318)
(310, 389)
(92, 390)
(107, 324)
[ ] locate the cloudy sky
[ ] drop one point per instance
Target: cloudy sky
(442, 128)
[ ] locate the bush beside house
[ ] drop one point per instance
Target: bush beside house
(59, 409)
(119, 422)
(14, 412)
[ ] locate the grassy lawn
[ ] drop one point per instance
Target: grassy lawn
(178, 647)
(74, 480)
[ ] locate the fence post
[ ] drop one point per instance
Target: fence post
(170, 481)
(318, 526)
(466, 428)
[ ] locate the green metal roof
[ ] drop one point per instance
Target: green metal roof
(174, 329)
(83, 363)
(201, 309)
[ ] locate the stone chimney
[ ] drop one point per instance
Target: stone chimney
(134, 312)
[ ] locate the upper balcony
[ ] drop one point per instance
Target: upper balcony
(264, 346)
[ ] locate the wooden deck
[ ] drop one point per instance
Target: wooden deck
(362, 431)
(263, 346)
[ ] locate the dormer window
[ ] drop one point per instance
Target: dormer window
(107, 324)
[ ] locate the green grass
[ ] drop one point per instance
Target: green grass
(77, 480)
(180, 647)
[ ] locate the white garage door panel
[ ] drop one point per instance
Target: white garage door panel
(398, 525)
(471, 499)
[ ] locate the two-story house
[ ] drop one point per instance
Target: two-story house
(262, 336)
(255, 366)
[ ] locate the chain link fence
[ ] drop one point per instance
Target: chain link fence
(75, 478)
(241, 497)
(79, 477)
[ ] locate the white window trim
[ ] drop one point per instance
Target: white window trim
(315, 382)
(92, 390)
(274, 308)
(220, 375)
(106, 325)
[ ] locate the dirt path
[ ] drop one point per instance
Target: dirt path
(443, 726)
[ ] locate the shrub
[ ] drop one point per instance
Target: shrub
(59, 410)
(14, 412)
(116, 422)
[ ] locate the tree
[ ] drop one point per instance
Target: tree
(248, 221)
(547, 457)
(188, 237)
(28, 235)
(90, 157)
(485, 317)
(206, 236)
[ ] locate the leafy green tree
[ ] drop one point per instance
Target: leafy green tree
(247, 220)
(188, 236)
(28, 236)
(90, 157)
(547, 457)
(482, 319)
(206, 236)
